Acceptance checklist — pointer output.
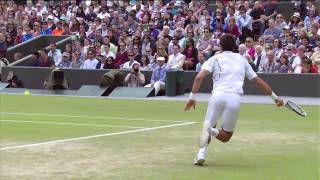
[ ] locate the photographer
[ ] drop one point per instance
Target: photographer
(135, 78)
(14, 81)
(56, 80)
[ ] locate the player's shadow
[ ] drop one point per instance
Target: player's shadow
(223, 165)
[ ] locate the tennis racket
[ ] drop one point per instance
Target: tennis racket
(296, 108)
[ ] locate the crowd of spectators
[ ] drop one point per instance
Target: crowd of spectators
(114, 34)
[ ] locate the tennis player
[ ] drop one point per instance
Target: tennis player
(229, 70)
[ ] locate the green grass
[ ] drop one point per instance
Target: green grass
(269, 142)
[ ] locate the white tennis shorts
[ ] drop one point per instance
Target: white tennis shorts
(226, 106)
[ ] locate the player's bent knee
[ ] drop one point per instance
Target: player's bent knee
(224, 136)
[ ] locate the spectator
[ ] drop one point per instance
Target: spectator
(121, 56)
(3, 44)
(65, 63)
(204, 43)
(91, 62)
(55, 54)
(76, 60)
(258, 18)
(161, 52)
(145, 64)
(17, 56)
(45, 30)
(244, 23)
(58, 31)
(316, 55)
(250, 48)
(271, 32)
(295, 19)
(135, 78)
(284, 65)
(102, 60)
(232, 28)
(18, 38)
(242, 50)
(158, 75)
(310, 18)
(36, 29)
(289, 52)
(45, 60)
(277, 48)
(27, 34)
(176, 60)
(259, 58)
(110, 64)
(308, 66)
(131, 62)
(9, 41)
(35, 59)
(270, 66)
(201, 60)
(191, 54)
(279, 22)
(137, 53)
(106, 51)
(297, 62)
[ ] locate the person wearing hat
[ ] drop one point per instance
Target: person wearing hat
(158, 76)
(65, 63)
(44, 28)
(295, 19)
(289, 51)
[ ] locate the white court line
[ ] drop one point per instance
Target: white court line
(94, 136)
(63, 123)
(90, 117)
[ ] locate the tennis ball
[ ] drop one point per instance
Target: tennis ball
(26, 93)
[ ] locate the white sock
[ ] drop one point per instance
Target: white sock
(203, 152)
(214, 132)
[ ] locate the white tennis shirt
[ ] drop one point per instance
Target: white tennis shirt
(229, 70)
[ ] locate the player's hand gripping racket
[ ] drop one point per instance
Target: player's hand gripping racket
(296, 108)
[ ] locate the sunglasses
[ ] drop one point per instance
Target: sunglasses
(130, 55)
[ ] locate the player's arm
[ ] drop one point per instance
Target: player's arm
(264, 87)
(195, 88)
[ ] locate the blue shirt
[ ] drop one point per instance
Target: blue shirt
(245, 21)
(274, 32)
(26, 37)
(46, 32)
(159, 74)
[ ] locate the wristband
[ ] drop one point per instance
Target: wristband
(193, 96)
(274, 96)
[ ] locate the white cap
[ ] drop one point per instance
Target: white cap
(161, 59)
(50, 17)
(65, 54)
